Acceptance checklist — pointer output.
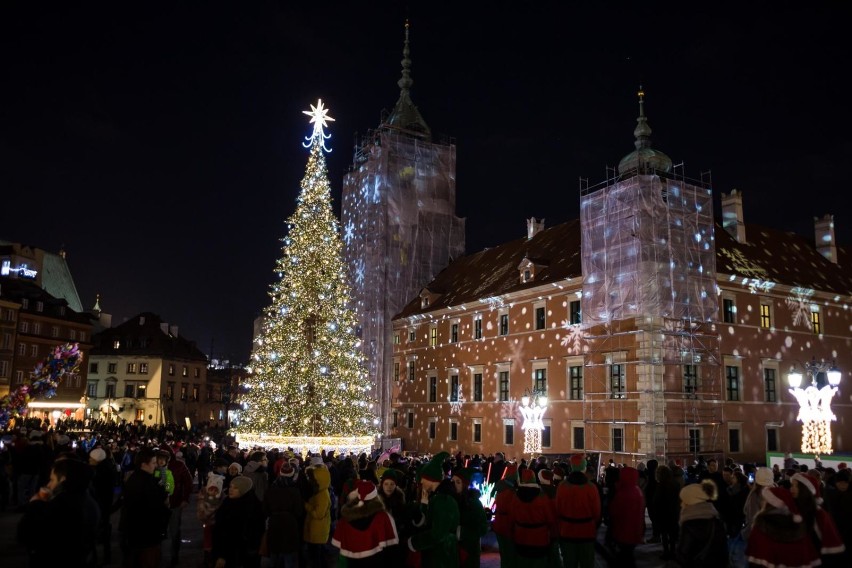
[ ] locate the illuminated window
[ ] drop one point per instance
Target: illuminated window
(732, 382)
(503, 386)
(616, 381)
(815, 321)
(396, 339)
(396, 370)
(185, 371)
(183, 391)
(141, 390)
(477, 430)
(545, 432)
(411, 370)
(508, 431)
(116, 344)
(504, 324)
(131, 368)
(171, 370)
(540, 318)
(575, 374)
(433, 389)
(578, 436)
(477, 387)
(111, 367)
(454, 388)
(143, 368)
(410, 421)
(729, 310)
(734, 436)
(195, 392)
(477, 327)
(92, 390)
(540, 381)
(433, 428)
(433, 336)
(617, 439)
(454, 429)
(765, 315)
(769, 384)
(690, 381)
(454, 333)
(575, 314)
(694, 440)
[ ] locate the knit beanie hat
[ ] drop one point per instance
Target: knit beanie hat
(578, 462)
(695, 493)
(391, 473)
(236, 466)
(316, 460)
(782, 499)
(433, 469)
(812, 483)
(216, 481)
(764, 476)
(528, 479)
(242, 483)
(98, 454)
(545, 477)
(463, 473)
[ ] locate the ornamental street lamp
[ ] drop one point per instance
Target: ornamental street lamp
(815, 404)
(533, 406)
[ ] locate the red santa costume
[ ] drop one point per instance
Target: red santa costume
(365, 529)
(778, 537)
(824, 527)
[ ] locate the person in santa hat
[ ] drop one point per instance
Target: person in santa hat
(438, 517)
(533, 516)
(504, 491)
(807, 492)
(578, 513)
(778, 538)
(473, 521)
(365, 529)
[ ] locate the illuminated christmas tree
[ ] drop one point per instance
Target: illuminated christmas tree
(308, 387)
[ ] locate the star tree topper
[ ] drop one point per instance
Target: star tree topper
(320, 119)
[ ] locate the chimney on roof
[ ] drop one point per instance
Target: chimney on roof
(534, 227)
(141, 320)
(824, 237)
(173, 330)
(164, 327)
(732, 215)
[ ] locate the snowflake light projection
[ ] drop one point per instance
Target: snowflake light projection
(800, 305)
(573, 339)
(359, 272)
(349, 232)
(743, 265)
(456, 405)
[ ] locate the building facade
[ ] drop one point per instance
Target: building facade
(143, 371)
(399, 225)
(652, 330)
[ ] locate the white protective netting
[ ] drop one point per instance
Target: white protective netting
(648, 251)
(399, 229)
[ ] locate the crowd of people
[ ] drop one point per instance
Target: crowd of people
(276, 507)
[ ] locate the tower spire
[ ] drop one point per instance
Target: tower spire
(642, 132)
(643, 157)
(405, 115)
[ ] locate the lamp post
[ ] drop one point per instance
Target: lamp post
(815, 405)
(533, 406)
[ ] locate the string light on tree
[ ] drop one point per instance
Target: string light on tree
(309, 389)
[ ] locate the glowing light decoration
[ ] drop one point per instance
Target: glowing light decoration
(815, 412)
(573, 339)
(456, 405)
(532, 409)
(309, 381)
(800, 305)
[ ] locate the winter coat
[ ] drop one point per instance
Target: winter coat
(702, 542)
(627, 509)
(285, 510)
(256, 471)
(777, 541)
(363, 532)
(237, 529)
(533, 518)
(829, 537)
(318, 507)
(183, 483)
(666, 505)
(144, 513)
(438, 540)
(473, 523)
(505, 497)
(578, 508)
(839, 504)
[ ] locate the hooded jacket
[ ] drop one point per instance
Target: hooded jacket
(533, 517)
(318, 507)
(776, 540)
(364, 530)
(578, 508)
(627, 509)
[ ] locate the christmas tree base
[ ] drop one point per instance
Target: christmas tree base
(304, 444)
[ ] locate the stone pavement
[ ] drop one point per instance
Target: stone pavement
(13, 556)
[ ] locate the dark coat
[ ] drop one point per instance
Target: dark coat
(627, 509)
(238, 529)
(703, 541)
(69, 546)
(144, 513)
(285, 509)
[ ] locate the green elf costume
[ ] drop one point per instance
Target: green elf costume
(437, 539)
(474, 521)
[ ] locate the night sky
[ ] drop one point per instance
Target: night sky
(160, 142)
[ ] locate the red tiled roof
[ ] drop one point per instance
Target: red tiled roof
(768, 255)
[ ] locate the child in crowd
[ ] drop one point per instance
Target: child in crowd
(208, 503)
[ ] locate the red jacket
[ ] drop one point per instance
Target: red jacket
(183, 483)
(503, 502)
(532, 517)
(627, 508)
(578, 508)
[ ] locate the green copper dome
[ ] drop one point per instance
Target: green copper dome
(405, 115)
(644, 157)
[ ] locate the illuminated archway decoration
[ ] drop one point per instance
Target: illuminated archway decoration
(815, 412)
